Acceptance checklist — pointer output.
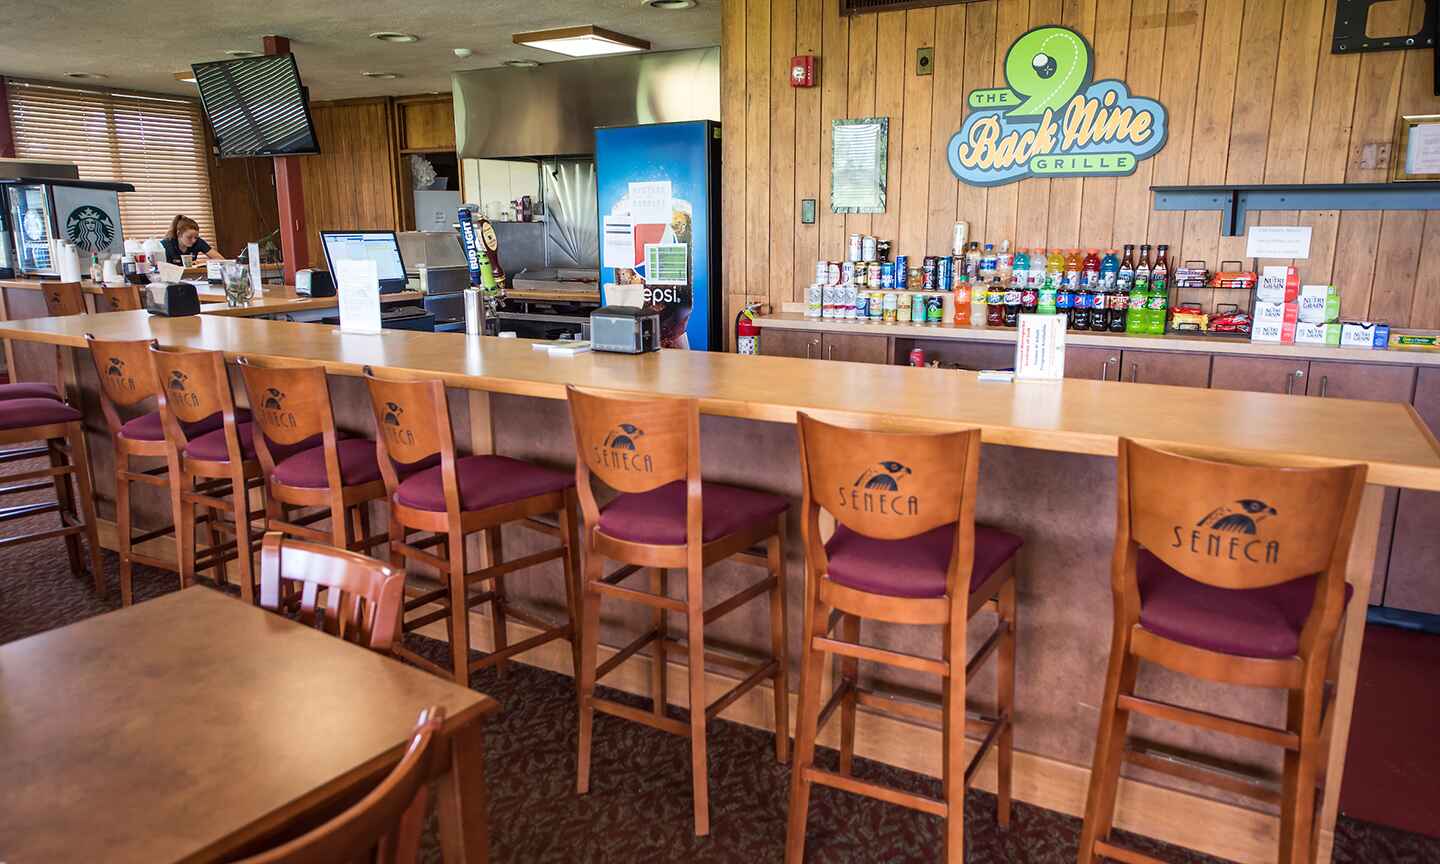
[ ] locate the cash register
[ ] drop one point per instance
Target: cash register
(383, 249)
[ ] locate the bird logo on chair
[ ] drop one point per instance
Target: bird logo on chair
(1240, 518)
(619, 450)
(877, 490)
(1226, 532)
(273, 410)
(390, 424)
(115, 371)
(177, 383)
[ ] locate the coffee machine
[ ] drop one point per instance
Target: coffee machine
(46, 201)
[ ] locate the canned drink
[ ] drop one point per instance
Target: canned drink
(902, 270)
(891, 306)
(833, 275)
(916, 280)
(822, 272)
(887, 281)
(862, 306)
(927, 274)
(877, 305)
(960, 238)
(918, 315)
(847, 273)
(872, 273)
(917, 356)
(882, 250)
(855, 248)
(903, 303)
(868, 252)
(815, 301)
(934, 308)
(827, 300)
(851, 294)
(946, 274)
(861, 277)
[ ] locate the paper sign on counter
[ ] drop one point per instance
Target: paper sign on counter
(619, 244)
(357, 284)
(1040, 348)
(650, 202)
(1278, 241)
(256, 286)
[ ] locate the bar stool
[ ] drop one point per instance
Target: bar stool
(667, 517)
(1213, 582)
(433, 491)
(192, 388)
(118, 298)
(906, 550)
(61, 298)
(59, 426)
(305, 461)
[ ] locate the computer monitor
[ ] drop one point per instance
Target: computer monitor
(382, 247)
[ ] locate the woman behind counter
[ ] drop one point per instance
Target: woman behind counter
(184, 239)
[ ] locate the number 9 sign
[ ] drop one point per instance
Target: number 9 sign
(1046, 67)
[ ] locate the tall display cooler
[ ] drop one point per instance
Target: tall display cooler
(659, 196)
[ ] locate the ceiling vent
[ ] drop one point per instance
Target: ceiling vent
(865, 7)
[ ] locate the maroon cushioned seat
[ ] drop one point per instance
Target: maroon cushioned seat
(485, 481)
(147, 427)
(916, 566)
(21, 413)
(210, 447)
(1253, 622)
(657, 517)
(28, 390)
(306, 469)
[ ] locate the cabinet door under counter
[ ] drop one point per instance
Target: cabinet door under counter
(1174, 368)
(1260, 374)
(1098, 364)
(775, 342)
(855, 347)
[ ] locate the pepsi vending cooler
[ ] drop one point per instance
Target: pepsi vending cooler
(658, 189)
(40, 210)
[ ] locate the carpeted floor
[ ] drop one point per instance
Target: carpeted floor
(638, 809)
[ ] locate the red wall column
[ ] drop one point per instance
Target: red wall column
(289, 194)
(7, 132)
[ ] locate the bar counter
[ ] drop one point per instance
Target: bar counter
(1047, 473)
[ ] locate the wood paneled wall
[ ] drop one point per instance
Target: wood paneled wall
(242, 198)
(1253, 93)
(353, 183)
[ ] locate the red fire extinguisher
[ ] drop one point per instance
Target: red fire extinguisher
(747, 332)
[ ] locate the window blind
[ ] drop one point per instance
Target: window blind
(155, 143)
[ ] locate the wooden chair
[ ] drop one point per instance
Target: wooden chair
(383, 826)
(363, 596)
(305, 462)
(194, 387)
(906, 550)
(433, 491)
(1231, 573)
(63, 298)
(118, 298)
(649, 451)
(59, 427)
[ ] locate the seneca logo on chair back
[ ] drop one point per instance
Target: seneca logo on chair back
(1231, 573)
(433, 491)
(63, 298)
(305, 460)
(905, 550)
(666, 517)
(119, 298)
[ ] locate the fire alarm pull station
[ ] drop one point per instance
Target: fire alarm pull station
(802, 71)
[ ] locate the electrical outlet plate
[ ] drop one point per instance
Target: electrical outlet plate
(925, 61)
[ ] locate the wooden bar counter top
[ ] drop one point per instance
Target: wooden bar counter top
(1047, 473)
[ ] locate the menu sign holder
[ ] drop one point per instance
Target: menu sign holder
(1040, 348)
(357, 286)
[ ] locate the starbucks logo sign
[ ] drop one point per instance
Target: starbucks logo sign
(90, 228)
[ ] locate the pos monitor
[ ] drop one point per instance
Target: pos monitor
(382, 247)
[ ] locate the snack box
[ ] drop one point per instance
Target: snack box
(1275, 322)
(1192, 274)
(1278, 285)
(1233, 279)
(1415, 341)
(1364, 334)
(1307, 333)
(1319, 304)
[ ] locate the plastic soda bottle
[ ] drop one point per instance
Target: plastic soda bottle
(1074, 267)
(995, 303)
(1022, 267)
(962, 300)
(1091, 266)
(978, 304)
(987, 262)
(1055, 266)
(1045, 300)
(1110, 270)
(1157, 309)
(1136, 317)
(1004, 261)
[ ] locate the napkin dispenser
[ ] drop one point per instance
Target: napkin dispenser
(625, 329)
(172, 299)
(314, 283)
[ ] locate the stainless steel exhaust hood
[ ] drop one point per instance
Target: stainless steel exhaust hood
(552, 110)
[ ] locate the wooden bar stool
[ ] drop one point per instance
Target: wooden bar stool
(906, 550)
(127, 383)
(305, 461)
(59, 427)
(118, 298)
(667, 517)
(61, 298)
(193, 387)
(1231, 573)
(433, 491)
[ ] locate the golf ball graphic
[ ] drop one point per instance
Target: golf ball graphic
(1044, 65)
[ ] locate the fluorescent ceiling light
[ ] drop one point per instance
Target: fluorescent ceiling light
(186, 77)
(383, 75)
(588, 41)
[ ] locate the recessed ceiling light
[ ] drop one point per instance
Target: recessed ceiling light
(186, 77)
(521, 64)
(86, 76)
(669, 5)
(393, 36)
(241, 52)
(588, 41)
(384, 75)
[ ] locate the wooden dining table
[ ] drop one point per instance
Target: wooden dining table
(195, 727)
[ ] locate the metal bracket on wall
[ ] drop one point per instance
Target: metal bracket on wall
(1351, 17)
(1234, 202)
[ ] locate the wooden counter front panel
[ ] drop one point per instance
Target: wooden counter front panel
(1097, 364)
(1165, 367)
(973, 356)
(1414, 576)
(855, 348)
(790, 343)
(1260, 374)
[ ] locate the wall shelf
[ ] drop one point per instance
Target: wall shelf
(1234, 202)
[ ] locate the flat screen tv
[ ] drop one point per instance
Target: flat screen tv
(257, 106)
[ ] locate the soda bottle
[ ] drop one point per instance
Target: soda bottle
(972, 261)
(995, 303)
(987, 262)
(979, 298)
(1012, 306)
(1126, 272)
(1136, 317)
(1029, 299)
(1073, 269)
(1110, 270)
(1045, 298)
(1080, 304)
(1055, 267)
(1158, 308)
(1022, 268)
(1004, 261)
(962, 300)
(1064, 299)
(1037, 268)
(1091, 267)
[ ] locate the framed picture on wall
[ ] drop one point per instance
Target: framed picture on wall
(1416, 153)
